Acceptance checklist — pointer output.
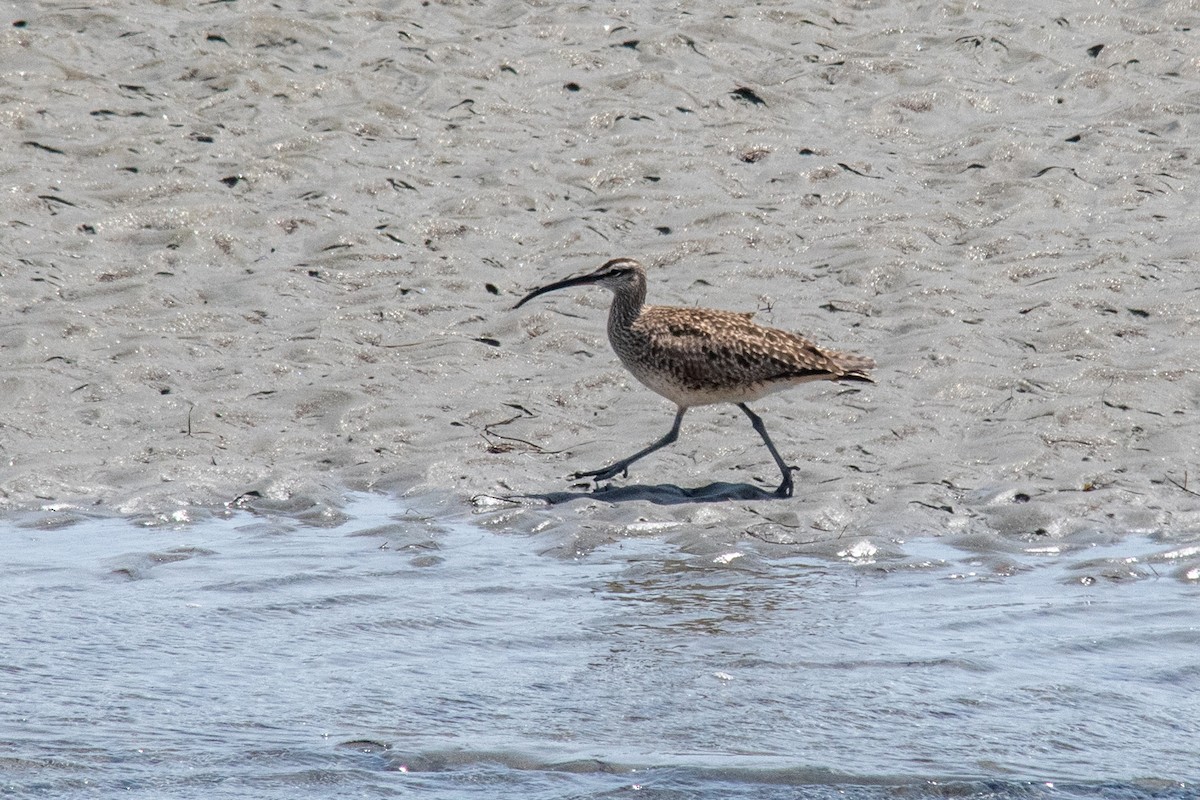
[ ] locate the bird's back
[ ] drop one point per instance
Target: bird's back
(697, 356)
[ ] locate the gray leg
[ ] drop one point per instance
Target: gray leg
(623, 465)
(785, 488)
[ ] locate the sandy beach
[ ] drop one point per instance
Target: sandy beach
(258, 257)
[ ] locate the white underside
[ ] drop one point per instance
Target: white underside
(685, 397)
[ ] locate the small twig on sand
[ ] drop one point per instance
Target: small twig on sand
(1182, 486)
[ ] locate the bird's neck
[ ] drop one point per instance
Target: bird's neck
(627, 304)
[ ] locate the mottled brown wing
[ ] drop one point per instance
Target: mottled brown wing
(720, 348)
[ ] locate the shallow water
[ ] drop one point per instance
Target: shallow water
(394, 654)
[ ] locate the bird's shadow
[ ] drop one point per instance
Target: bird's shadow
(663, 494)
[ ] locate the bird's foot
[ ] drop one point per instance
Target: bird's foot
(604, 473)
(785, 488)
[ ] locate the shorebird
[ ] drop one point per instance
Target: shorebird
(701, 356)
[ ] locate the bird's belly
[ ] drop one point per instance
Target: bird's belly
(686, 394)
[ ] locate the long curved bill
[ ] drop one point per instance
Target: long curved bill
(579, 280)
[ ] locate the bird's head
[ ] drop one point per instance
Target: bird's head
(617, 275)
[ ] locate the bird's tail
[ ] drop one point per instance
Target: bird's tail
(852, 366)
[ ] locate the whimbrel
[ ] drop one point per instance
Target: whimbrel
(700, 356)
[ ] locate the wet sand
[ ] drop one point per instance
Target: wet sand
(262, 257)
